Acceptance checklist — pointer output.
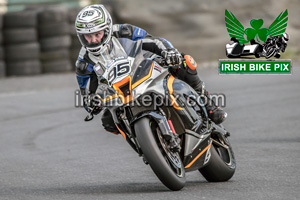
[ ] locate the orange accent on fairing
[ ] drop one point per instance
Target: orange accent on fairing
(117, 86)
(190, 62)
(174, 103)
(170, 83)
(170, 87)
(144, 78)
(190, 164)
(121, 132)
(129, 98)
(113, 132)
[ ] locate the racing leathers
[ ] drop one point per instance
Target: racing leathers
(151, 46)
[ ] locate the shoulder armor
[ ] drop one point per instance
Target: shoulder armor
(126, 30)
(81, 64)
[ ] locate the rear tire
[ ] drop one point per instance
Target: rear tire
(53, 14)
(157, 158)
(21, 68)
(20, 35)
(21, 52)
(2, 69)
(22, 19)
(52, 30)
(57, 66)
(53, 55)
(54, 43)
(221, 165)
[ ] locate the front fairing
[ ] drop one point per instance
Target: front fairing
(117, 64)
(119, 60)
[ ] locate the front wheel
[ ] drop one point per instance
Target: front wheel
(270, 52)
(166, 165)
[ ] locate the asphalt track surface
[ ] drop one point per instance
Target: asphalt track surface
(47, 151)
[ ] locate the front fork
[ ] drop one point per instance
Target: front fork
(220, 137)
(165, 126)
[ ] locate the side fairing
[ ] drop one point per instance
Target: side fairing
(107, 96)
(186, 109)
(149, 78)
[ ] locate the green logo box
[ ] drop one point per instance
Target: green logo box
(255, 66)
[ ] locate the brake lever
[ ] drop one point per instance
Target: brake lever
(160, 61)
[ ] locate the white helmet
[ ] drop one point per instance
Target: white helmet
(285, 37)
(93, 19)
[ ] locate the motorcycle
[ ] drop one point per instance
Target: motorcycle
(236, 50)
(270, 51)
(272, 48)
(173, 136)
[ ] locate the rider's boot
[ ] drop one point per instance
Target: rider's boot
(215, 113)
(188, 73)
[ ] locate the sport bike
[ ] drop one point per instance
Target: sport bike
(172, 131)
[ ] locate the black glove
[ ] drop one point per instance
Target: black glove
(92, 104)
(96, 110)
(172, 56)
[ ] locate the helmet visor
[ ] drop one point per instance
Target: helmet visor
(94, 40)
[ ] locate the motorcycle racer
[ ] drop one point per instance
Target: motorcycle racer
(277, 44)
(96, 31)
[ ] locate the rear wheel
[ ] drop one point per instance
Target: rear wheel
(221, 165)
(166, 164)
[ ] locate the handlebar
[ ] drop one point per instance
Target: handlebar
(160, 61)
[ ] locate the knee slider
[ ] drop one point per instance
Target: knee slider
(108, 122)
(190, 62)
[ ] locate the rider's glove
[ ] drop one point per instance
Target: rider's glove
(96, 110)
(91, 104)
(172, 56)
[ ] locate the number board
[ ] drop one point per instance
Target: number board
(118, 70)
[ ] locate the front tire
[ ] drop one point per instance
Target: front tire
(270, 52)
(171, 176)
